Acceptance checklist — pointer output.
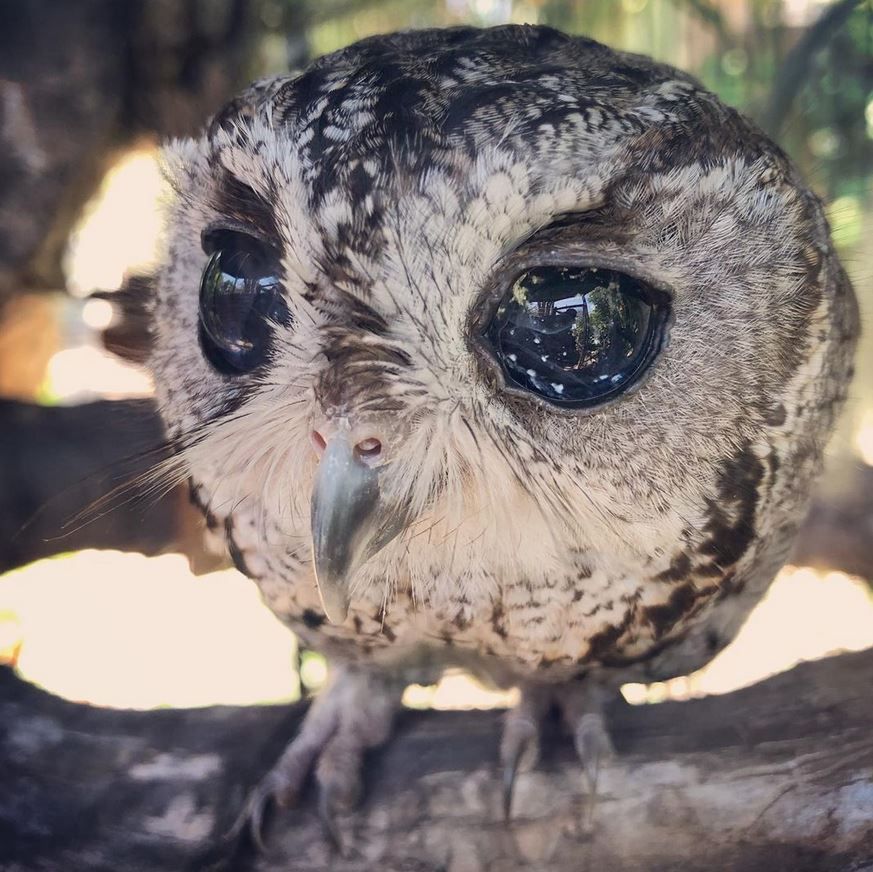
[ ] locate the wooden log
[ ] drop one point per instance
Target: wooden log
(777, 776)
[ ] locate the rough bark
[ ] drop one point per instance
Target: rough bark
(775, 776)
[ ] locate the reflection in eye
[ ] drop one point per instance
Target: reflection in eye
(241, 301)
(576, 335)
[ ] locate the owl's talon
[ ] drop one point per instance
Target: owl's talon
(353, 714)
(520, 742)
(327, 807)
(256, 825)
(251, 819)
(583, 704)
(510, 771)
(519, 745)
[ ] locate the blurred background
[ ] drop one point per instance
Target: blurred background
(112, 592)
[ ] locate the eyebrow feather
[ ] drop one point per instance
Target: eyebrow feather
(239, 202)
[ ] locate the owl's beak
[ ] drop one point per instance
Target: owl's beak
(350, 521)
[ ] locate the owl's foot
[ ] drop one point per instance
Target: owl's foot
(520, 742)
(581, 705)
(350, 716)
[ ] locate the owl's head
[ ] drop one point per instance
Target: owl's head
(452, 305)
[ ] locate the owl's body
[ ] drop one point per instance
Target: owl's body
(404, 182)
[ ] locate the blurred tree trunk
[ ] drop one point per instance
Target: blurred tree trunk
(799, 63)
(81, 81)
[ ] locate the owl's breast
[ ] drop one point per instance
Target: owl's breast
(551, 630)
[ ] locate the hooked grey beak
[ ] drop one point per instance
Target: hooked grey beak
(350, 522)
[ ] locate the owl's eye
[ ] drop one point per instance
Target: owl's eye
(241, 301)
(577, 336)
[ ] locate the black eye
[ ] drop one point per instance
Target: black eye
(241, 301)
(577, 336)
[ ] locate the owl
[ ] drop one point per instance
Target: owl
(496, 349)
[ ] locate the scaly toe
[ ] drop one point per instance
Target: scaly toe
(338, 770)
(593, 746)
(352, 715)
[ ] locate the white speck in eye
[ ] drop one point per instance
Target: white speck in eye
(511, 357)
(558, 389)
(544, 357)
(532, 373)
(537, 340)
(617, 378)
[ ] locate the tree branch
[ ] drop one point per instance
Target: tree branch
(77, 477)
(775, 776)
(798, 62)
(709, 14)
(838, 531)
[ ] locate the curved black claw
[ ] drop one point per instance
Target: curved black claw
(256, 823)
(520, 740)
(327, 815)
(510, 772)
(251, 818)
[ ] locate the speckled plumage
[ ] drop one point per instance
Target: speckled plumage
(404, 179)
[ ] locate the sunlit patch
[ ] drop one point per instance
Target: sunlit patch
(800, 13)
(10, 637)
(79, 373)
(129, 631)
(735, 61)
(313, 670)
(846, 218)
(864, 438)
(634, 7)
(121, 226)
(97, 314)
(458, 690)
(117, 235)
(488, 12)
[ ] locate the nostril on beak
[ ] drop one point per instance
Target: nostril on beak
(319, 443)
(368, 450)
